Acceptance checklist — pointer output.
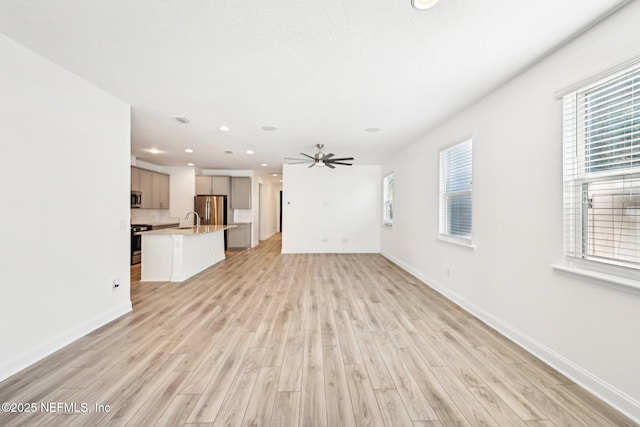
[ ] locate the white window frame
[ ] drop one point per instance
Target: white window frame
(581, 179)
(387, 200)
(448, 194)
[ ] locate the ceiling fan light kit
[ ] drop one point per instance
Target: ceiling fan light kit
(320, 159)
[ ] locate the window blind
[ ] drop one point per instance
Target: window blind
(601, 136)
(456, 191)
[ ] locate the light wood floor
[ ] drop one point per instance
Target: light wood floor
(311, 340)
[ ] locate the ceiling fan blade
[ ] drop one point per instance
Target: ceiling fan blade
(327, 156)
(340, 163)
(312, 164)
(306, 155)
(306, 162)
(329, 165)
(341, 159)
(291, 158)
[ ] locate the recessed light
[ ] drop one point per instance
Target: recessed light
(189, 164)
(274, 174)
(188, 150)
(154, 151)
(228, 151)
(280, 180)
(269, 128)
(249, 151)
(423, 4)
(372, 130)
(182, 120)
(223, 128)
(264, 165)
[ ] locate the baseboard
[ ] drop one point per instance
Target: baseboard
(595, 385)
(273, 233)
(43, 350)
(315, 250)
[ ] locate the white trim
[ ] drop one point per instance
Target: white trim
(610, 279)
(54, 344)
(616, 398)
(598, 76)
(456, 242)
(316, 250)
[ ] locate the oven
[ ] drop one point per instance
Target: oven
(136, 242)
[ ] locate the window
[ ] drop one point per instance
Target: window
(601, 138)
(387, 196)
(455, 191)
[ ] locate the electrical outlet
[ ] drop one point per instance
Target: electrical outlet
(116, 284)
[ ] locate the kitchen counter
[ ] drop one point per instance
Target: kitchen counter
(203, 229)
(175, 254)
(158, 224)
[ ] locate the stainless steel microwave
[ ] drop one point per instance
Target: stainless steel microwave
(136, 199)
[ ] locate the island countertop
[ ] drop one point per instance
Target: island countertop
(203, 229)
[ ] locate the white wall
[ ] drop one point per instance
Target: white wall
(583, 327)
(182, 190)
(322, 207)
(64, 216)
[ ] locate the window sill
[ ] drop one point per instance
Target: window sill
(597, 275)
(456, 242)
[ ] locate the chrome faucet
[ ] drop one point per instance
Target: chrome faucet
(197, 218)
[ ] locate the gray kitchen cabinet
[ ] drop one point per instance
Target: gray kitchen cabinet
(135, 179)
(220, 185)
(240, 237)
(203, 185)
(240, 192)
(163, 200)
(212, 185)
(146, 187)
(154, 187)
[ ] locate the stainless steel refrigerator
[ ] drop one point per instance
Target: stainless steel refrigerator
(212, 209)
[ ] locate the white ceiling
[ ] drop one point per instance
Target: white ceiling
(321, 72)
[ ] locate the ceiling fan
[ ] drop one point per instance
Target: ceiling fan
(321, 159)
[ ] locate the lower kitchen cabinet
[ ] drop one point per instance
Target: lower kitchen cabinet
(239, 237)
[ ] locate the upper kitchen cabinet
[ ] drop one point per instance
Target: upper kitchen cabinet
(240, 192)
(154, 187)
(135, 179)
(212, 185)
(160, 198)
(146, 188)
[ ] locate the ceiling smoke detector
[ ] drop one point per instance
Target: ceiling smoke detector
(423, 4)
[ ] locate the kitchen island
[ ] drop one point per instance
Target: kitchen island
(175, 254)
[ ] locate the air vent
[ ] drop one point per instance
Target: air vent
(182, 120)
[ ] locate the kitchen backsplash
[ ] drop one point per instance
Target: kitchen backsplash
(151, 216)
(242, 215)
